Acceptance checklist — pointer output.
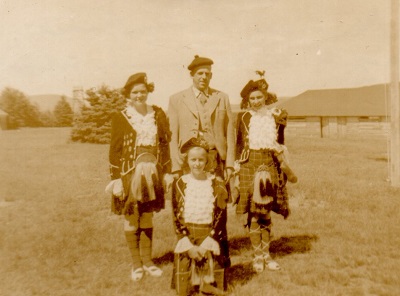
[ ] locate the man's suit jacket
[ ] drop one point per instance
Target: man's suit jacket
(184, 124)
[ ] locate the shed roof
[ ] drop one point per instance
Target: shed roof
(362, 101)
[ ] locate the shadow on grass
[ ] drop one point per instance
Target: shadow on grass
(283, 246)
(164, 259)
(240, 274)
(292, 244)
(237, 244)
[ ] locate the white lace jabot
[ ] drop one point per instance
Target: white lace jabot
(199, 200)
(262, 130)
(144, 125)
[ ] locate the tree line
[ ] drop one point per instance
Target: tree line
(22, 113)
(91, 124)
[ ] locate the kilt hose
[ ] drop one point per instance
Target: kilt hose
(217, 167)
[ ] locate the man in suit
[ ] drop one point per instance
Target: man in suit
(202, 109)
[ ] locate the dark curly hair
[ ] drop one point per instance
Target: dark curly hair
(125, 91)
(270, 98)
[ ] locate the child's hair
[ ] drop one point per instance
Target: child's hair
(185, 165)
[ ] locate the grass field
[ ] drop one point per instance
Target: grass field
(57, 236)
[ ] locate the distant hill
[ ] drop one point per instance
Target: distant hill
(48, 102)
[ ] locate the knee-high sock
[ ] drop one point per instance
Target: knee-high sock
(220, 278)
(133, 240)
(265, 238)
(146, 242)
(265, 242)
(255, 237)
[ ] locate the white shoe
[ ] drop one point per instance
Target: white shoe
(153, 270)
(258, 264)
(137, 274)
(271, 264)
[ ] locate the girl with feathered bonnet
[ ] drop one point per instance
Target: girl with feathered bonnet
(262, 166)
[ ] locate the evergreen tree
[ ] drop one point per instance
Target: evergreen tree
(93, 125)
(32, 118)
(63, 113)
(47, 119)
(21, 112)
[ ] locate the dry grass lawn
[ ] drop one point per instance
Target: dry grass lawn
(57, 236)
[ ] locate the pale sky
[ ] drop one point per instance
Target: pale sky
(50, 46)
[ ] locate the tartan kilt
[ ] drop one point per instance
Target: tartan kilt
(246, 185)
(181, 274)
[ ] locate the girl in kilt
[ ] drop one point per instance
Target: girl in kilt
(261, 161)
(139, 156)
(199, 199)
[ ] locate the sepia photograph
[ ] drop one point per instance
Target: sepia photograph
(199, 147)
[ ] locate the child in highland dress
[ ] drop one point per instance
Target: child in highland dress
(198, 200)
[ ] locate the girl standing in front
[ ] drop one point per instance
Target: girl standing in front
(139, 156)
(198, 200)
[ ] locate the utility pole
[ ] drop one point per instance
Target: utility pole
(394, 96)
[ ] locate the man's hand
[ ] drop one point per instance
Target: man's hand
(168, 180)
(228, 174)
(243, 219)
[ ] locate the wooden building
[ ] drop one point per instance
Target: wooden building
(340, 113)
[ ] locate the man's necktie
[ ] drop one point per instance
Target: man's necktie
(203, 98)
